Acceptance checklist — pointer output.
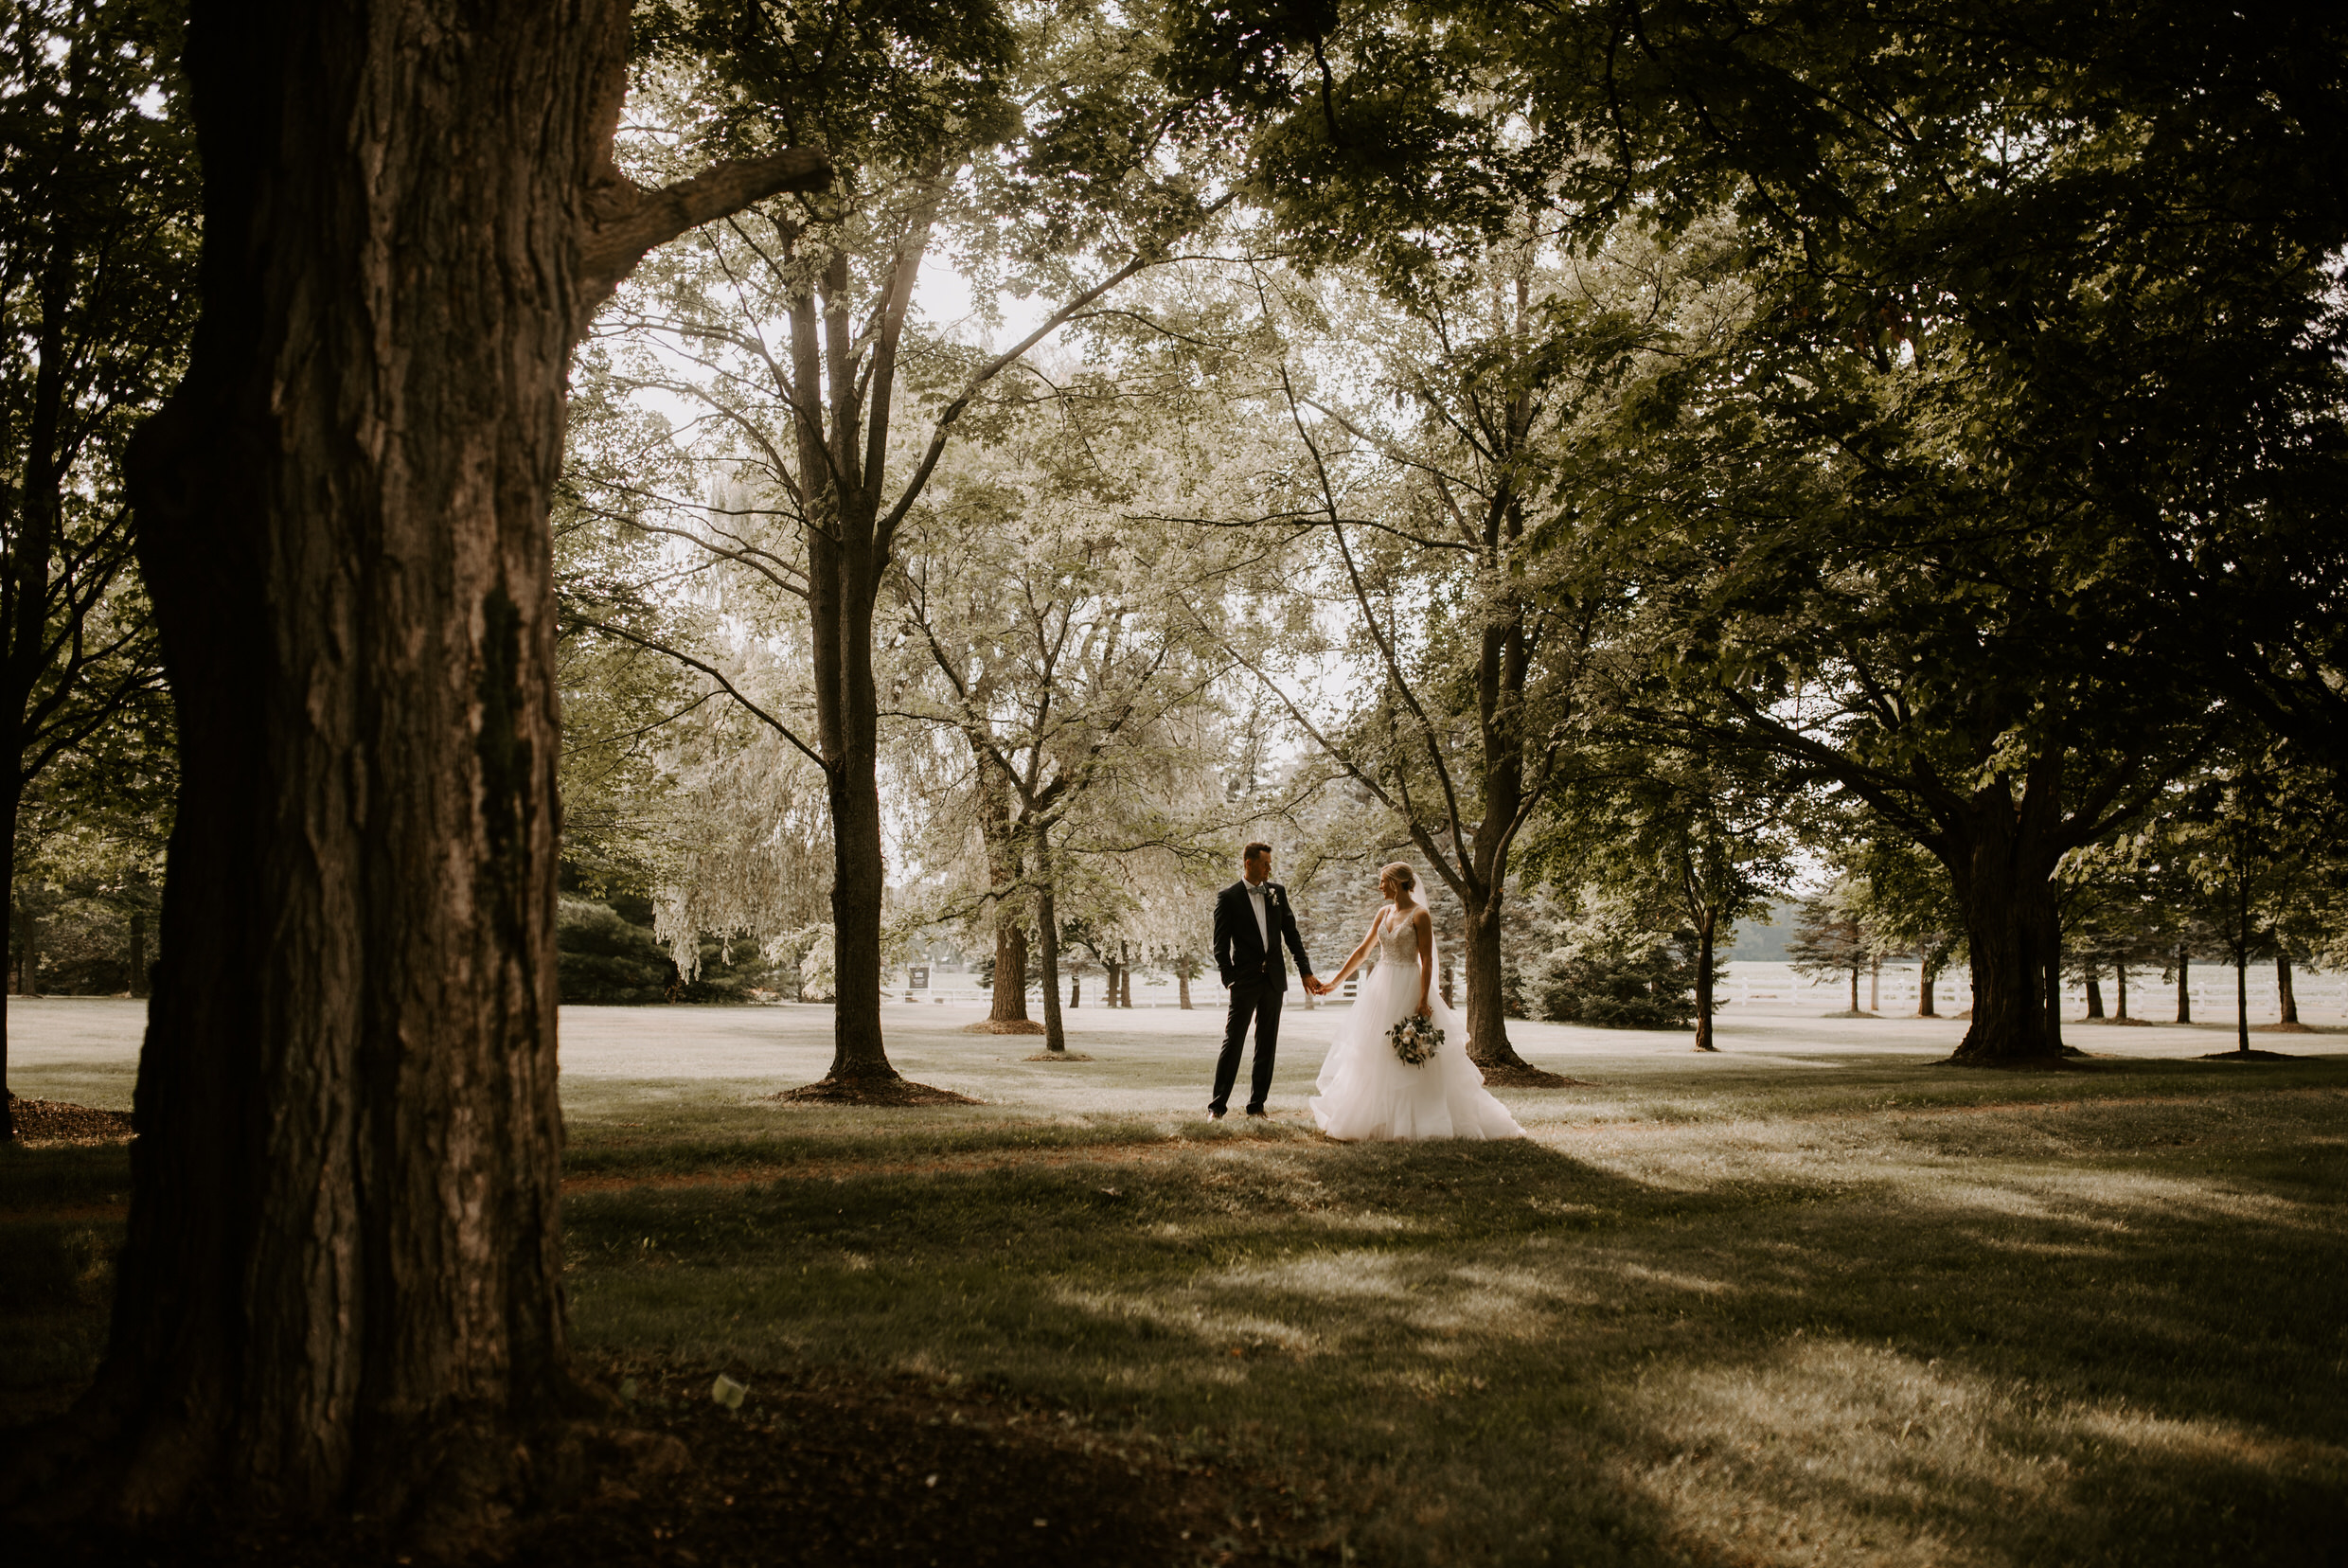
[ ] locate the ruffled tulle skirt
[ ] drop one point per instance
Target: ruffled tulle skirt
(1369, 1092)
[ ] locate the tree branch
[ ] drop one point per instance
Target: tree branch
(713, 673)
(624, 220)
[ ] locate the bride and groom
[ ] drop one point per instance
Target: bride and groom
(1367, 1090)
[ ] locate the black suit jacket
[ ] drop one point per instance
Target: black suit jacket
(1239, 951)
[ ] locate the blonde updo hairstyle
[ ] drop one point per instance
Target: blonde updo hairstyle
(1404, 877)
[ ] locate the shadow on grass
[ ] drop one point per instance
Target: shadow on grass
(2076, 1331)
(1878, 1315)
(61, 1224)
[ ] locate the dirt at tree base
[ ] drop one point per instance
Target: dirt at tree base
(2250, 1056)
(1503, 1074)
(2284, 1028)
(39, 1121)
(889, 1090)
(824, 1468)
(1004, 1026)
(2071, 1060)
(1056, 1055)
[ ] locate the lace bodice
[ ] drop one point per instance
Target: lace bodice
(1397, 939)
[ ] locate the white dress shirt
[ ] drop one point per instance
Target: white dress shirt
(1259, 894)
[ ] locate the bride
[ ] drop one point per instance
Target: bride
(1366, 1091)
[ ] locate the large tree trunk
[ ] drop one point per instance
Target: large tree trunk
(10, 802)
(138, 953)
(2000, 860)
(1487, 1007)
(1054, 1032)
(2287, 1000)
(842, 577)
(1009, 1002)
(1182, 984)
(999, 838)
(2119, 988)
(2094, 992)
(1703, 983)
(2009, 1023)
(1047, 935)
(342, 1285)
(2242, 1000)
(1926, 977)
(2053, 973)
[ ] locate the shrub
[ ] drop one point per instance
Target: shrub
(1617, 972)
(603, 958)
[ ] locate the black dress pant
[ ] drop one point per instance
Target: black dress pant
(1250, 999)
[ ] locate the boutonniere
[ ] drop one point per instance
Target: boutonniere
(1277, 902)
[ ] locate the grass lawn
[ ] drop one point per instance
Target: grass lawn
(1816, 1300)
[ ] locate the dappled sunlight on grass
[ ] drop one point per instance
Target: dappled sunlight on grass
(1900, 1317)
(1831, 1307)
(1828, 1450)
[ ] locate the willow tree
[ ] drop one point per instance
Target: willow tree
(1053, 621)
(1418, 408)
(1028, 137)
(342, 1284)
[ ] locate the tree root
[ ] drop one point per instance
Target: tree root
(1004, 1026)
(2066, 1062)
(1524, 1075)
(890, 1091)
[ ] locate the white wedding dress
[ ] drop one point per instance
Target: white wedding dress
(1369, 1092)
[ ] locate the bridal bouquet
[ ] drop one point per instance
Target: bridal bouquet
(1415, 1039)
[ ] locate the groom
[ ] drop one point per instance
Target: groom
(1251, 919)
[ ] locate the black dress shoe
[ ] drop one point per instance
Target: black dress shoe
(1214, 1116)
(1255, 1111)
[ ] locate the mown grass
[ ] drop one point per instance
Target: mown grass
(1834, 1309)
(59, 1228)
(1878, 1312)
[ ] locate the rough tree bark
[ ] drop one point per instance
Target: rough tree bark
(138, 953)
(2287, 1000)
(2242, 1004)
(1704, 929)
(1047, 937)
(999, 838)
(2001, 852)
(342, 1283)
(2006, 913)
(1927, 973)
